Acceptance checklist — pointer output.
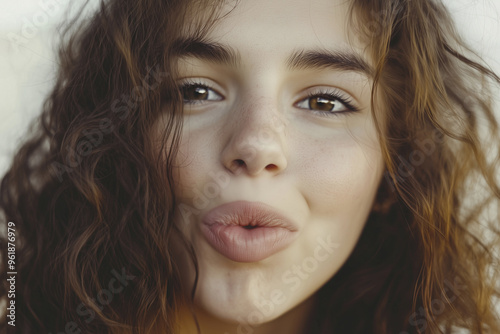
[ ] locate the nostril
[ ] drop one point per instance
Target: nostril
(238, 163)
(271, 167)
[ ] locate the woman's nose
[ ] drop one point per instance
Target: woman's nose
(256, 145)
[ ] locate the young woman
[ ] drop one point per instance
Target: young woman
(259, 167)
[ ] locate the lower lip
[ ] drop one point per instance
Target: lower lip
(247, 245)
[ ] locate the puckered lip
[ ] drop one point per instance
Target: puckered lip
(247, 231)
(248, 215)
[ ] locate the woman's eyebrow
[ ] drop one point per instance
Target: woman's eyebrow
(333, 59)
(302, 59)
(206, 50)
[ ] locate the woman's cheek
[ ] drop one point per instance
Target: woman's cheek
(340, 174)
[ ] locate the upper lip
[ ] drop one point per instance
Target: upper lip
(248, 214)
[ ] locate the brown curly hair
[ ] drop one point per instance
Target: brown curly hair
(92, 201)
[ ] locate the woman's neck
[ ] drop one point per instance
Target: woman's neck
(295, 321)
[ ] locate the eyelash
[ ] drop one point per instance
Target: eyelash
(193, 83)
(331, 94)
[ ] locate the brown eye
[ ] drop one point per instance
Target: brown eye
(323, 104)
(192, 93)
(327, 103)
(195, 93)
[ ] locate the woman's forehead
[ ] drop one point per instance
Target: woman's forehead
(263, 28)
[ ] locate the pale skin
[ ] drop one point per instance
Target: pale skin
(260, 129)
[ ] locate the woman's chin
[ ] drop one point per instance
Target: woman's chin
(235, 304)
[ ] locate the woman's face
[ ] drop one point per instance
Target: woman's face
(278, 137)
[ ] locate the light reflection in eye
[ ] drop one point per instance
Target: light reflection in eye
(197, 93)
(327, 103)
